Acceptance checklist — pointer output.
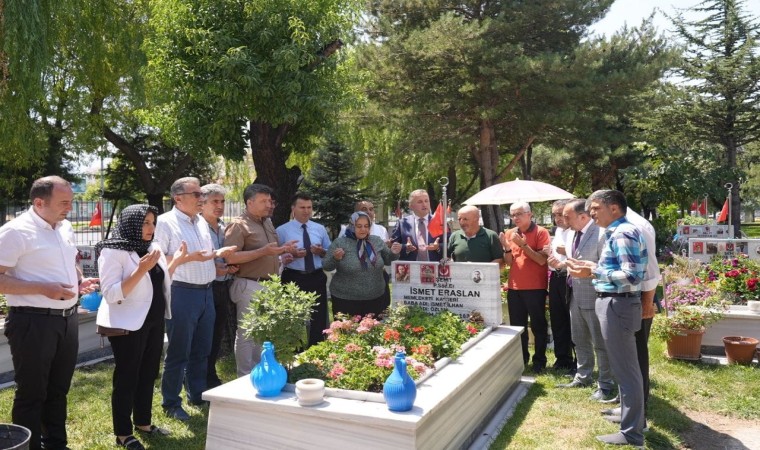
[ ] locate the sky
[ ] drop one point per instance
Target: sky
(631, 12)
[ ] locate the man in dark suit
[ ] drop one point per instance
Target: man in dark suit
(412, 231)
(585, 242)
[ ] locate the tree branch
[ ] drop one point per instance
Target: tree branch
(516, 158)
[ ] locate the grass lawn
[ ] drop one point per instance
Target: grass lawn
(547, 418)
(89, 424)
(551, 418)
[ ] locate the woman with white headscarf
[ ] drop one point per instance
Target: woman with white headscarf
(135, 280)
(358, 258)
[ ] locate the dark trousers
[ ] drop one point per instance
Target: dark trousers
(190, 331)
(137, 356)
(222, 305)
(312, 282)
(559, 317)
(44, 352)
(361, 307)
(642, 352)
(524, 304)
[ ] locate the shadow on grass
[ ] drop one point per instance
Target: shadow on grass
(518, 416)
(670, 423)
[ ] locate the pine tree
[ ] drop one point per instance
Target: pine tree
(332, 184)
(721, 66)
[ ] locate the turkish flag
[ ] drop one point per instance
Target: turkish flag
(701, 208)
(435, 227)
(95, 219)
(723, 217)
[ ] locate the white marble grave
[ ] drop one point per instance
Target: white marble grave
(450, 410)
(737, 321)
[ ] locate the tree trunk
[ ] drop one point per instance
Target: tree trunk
(487, 156)
(156, 199)
(736, 203)
(269, 160)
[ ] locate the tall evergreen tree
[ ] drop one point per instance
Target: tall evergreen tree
(497, 77)
(332, 185)
(721, 67)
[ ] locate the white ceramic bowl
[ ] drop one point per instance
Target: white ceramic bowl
(310, 391)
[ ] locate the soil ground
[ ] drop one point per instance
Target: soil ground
(713, 431)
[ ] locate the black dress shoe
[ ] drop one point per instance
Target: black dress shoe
(573, 384)
(130, 443)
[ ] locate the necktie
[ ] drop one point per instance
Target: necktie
(309, 258)
(576, 241)
(422, 254)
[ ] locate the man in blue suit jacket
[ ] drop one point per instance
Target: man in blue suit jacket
(412, 231)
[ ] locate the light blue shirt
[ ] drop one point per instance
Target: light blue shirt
(622, 264)
(292, 231)
(218, 240)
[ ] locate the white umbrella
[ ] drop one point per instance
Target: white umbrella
(518, 191)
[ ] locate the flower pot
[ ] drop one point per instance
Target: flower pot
(14, 437)
(739, 349)
(754, 306)
(310, 391)
(685, 344)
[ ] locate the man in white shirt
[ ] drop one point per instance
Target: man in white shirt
(412, 231)
(190, 330)
(40, 280)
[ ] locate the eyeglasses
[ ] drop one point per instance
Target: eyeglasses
(516, 215)
(195, 194)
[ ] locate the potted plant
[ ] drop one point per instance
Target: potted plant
(689, 308)
(278, 313)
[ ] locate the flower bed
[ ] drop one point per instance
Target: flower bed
(737, 278)
(358, 352)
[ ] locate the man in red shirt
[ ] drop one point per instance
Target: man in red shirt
(528, 280)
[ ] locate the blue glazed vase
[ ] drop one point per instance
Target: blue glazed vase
(399, 389)
(268, 377)
(91, 301)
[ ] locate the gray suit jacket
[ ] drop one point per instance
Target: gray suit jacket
(589, 248)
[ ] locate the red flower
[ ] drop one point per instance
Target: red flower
(418, 329)
(472, 329)
(391, 335)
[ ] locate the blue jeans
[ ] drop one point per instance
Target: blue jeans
(190, 332)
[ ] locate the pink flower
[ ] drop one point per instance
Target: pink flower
(419, 367)
(383, 361)
(336, 371)
(351, 347)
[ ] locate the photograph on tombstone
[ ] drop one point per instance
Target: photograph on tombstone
(461, 288)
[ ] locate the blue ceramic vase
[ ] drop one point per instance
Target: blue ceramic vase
(91, 301)
(399, 389)
(268, 377)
